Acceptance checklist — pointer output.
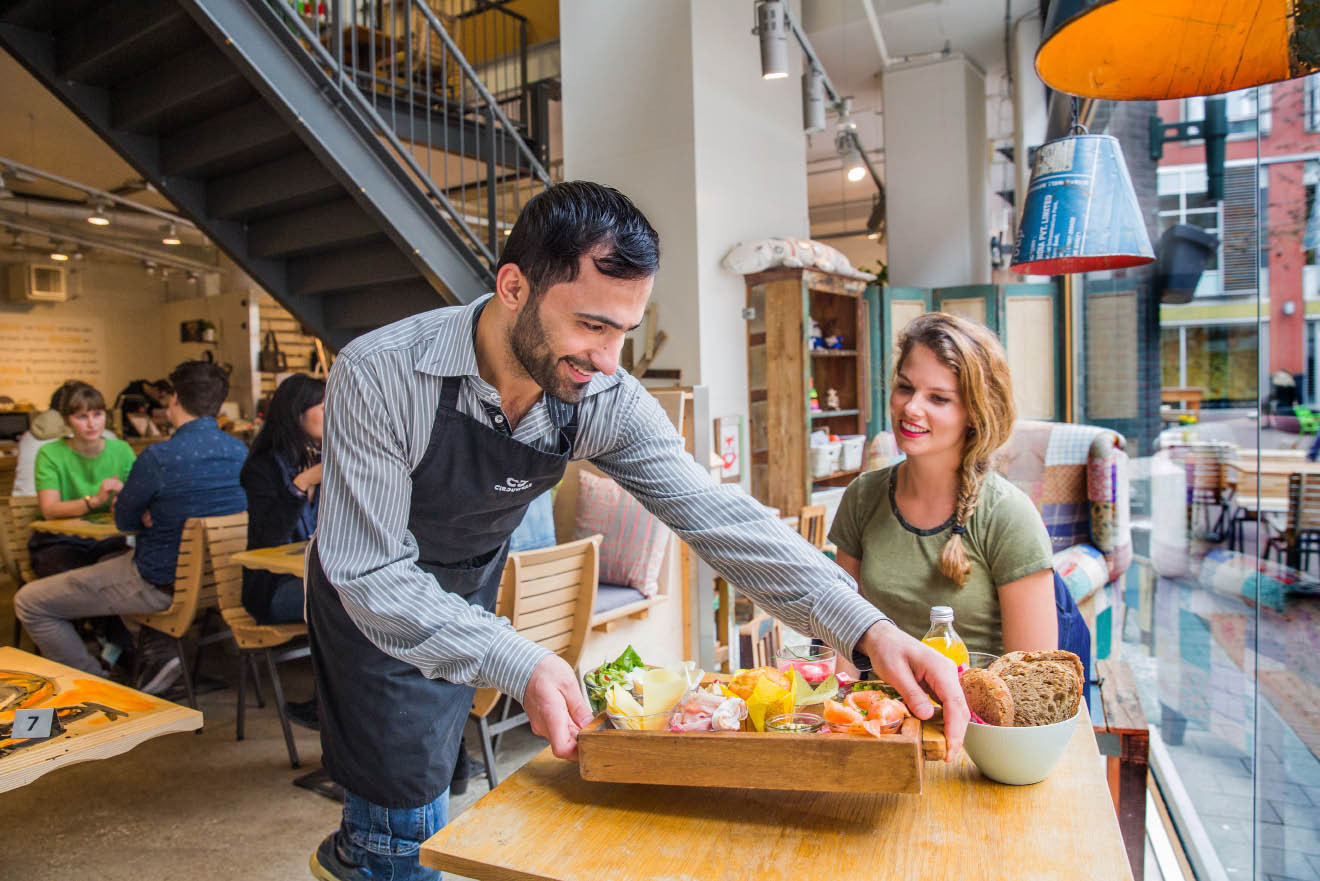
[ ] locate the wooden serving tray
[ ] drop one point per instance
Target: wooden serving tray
(755, 760)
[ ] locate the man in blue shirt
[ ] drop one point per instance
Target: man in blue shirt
(193, 474)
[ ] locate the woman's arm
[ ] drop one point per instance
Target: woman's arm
(54, 508)
(1030, 622)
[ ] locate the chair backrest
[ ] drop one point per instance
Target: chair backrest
(197, 584)
(552, 593)
(811, 525)
(759, 641)
(1304, 502)
(18, 513)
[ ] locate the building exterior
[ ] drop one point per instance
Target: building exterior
(1212, 342)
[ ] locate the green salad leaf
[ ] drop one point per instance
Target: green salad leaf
(627, 661)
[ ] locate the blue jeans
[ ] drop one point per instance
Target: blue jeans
(286, 603)
(385, 841)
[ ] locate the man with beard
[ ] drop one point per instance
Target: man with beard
(439, 430)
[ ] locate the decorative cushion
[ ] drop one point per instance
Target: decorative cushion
(1263, 581)
(1083, 569)
(611, 596)
(537, 529)
(633, 543)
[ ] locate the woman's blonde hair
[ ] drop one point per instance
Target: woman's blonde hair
(975, 356)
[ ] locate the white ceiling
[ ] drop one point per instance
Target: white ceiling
(841, 34)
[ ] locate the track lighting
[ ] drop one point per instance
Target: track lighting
(772, 28)
(813, 100)
(171, 235)
(98, 217)
(59, 254)
(5, 193)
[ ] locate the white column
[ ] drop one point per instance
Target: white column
(665, 102)
(937, 158)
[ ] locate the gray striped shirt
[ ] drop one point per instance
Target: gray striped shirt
(379, 408)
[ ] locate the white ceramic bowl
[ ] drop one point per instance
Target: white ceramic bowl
(1019, 755)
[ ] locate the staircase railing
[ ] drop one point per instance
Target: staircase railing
(397, 64)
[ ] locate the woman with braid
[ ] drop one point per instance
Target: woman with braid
(941, 527)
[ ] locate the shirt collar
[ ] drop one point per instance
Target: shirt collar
(444, 357)
(198, 424)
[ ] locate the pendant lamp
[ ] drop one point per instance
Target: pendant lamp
(1127, 50)
(1081, 213)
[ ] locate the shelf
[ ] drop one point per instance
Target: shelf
(826, 414)
(836, 474)
(834, 353)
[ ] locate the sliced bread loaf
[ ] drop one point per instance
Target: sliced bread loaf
(1046, 686)
(988, 697)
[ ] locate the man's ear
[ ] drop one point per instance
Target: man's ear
(511, 287)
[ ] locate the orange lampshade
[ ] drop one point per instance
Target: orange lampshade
(1127, 50)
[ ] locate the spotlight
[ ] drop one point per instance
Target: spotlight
(813, 100)
(149, 266)
(58, 254)
(772, 28)
(97, 217)
(856, 173)
(171, 235)
(5, 193)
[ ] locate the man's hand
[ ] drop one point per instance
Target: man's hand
(912, 668)
(555, 705)
(146, 519)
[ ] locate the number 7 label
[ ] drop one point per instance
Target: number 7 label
(33, 724)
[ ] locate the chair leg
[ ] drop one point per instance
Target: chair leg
(488, 752)
(202, 628)
(137, 656)
(505, 705)
(279, 706)
(242, 695)
(256, 679)
(186, 675)
(18, 631)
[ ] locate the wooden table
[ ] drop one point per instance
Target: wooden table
(289, 559)
(1124, 738)
(98, 526)
(545, 822)
(100, 719)
(1189, 396)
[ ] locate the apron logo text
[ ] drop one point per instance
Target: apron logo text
(513, 485)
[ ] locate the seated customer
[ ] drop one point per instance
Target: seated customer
(282, 479)
(940, 527)
(75, 476)
(193, 474)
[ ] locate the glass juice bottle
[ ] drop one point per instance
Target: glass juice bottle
(943, 638)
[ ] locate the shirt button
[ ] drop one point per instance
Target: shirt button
(499, 419)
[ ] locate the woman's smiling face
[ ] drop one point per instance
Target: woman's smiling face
(927, 413)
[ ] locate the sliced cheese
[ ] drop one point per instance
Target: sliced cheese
(661, 689)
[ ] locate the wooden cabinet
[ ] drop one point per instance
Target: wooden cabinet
(782, 368)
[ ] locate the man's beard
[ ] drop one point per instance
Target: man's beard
(527, 339)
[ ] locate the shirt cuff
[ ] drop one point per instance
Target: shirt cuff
(510, 662)
(841, 616)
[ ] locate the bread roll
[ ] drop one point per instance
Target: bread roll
(1046, 686)
(988, 697)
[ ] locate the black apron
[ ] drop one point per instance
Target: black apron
(388, 733)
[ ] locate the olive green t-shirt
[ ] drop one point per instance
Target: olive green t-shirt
(900, 572)
(60, 467)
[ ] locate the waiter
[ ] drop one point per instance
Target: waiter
(439, 430)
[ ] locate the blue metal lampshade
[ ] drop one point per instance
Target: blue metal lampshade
(1081, 213)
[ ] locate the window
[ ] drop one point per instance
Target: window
(1311, 105)
(1241, 112)
(1233, 270)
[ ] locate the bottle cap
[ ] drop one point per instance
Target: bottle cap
(941, 613)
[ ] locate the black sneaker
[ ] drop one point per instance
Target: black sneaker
(326, 863)
(303, 713)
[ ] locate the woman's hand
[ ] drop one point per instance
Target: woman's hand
(308, 479)
(109, 487)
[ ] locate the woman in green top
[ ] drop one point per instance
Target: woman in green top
(76, 476)
(942, 528)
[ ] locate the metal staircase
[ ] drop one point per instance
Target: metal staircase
(357, 170)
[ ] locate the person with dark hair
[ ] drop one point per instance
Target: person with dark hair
(193, 474)
(136, 402)
(45, 428)
(75, 476)
(439, 430)
(282, 479)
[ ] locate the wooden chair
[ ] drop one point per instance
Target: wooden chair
(549, 595)
(811, 525)
(252, 638)
(759, 641)
(196, 588)
(16, 516)
(1301, 537)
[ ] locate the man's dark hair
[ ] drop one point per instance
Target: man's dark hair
(201, 387)
(575, 218)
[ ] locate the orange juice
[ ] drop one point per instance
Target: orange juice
(943, 638)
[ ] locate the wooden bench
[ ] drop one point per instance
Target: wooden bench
(1124, 738)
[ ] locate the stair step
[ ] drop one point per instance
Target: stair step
(380, 262)
(277, 187)
(330, 225)
(248, 135)
(363, 309)
(122, 39)
(185, 89)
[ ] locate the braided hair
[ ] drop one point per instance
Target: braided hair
(977, 359)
